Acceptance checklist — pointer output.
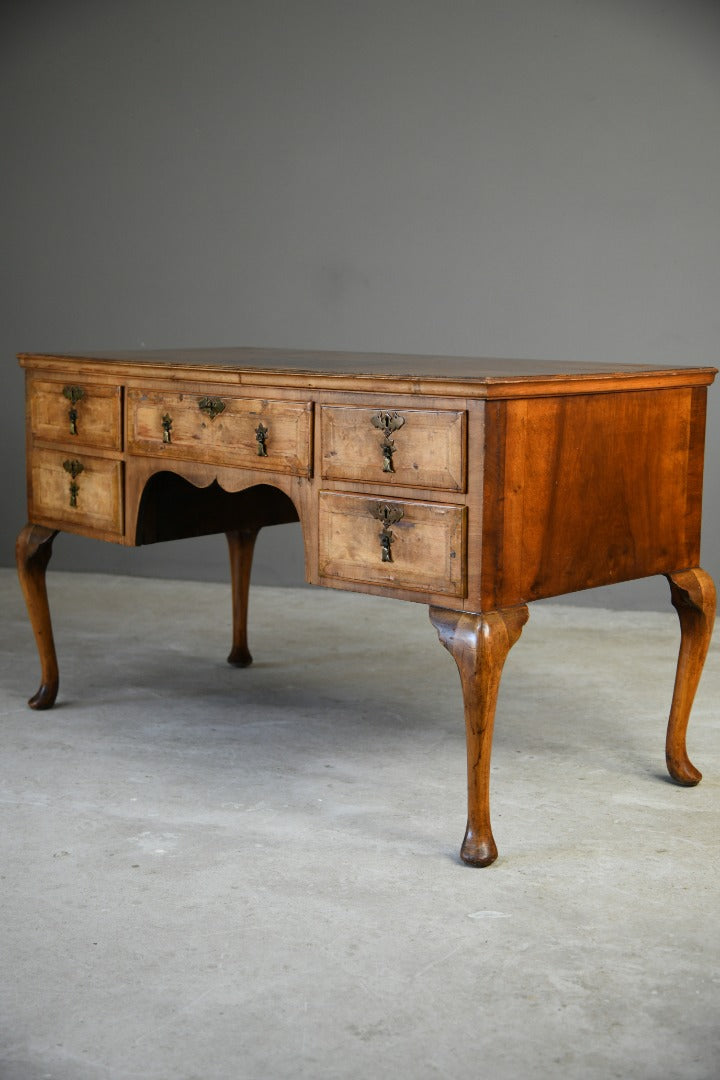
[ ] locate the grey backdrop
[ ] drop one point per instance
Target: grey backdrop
(498, 177)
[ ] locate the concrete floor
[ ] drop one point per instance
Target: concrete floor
(214, 874)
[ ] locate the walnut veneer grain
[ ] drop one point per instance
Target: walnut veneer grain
(474, 486)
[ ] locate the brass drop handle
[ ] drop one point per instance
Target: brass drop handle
(211, 406)
(166, 427)
(261, 434)
(73, 394)
(74, 468)
(387, 422)
(387, 515)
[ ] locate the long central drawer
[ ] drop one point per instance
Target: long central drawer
(253, 432)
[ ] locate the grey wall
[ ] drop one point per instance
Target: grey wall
(510, 178)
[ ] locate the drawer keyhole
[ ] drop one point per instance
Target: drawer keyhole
(261, 434)
(74, 468)
(73, 394)
(387, 422)
(387, 515)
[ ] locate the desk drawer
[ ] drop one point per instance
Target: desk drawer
(80, 490)
(402, 543)
(252, 433)
(81, 413)
(407, 447)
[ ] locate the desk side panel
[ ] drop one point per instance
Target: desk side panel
(590, 489)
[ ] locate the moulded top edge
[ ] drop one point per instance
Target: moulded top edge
(456, 375)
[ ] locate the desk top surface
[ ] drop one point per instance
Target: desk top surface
(478, 376)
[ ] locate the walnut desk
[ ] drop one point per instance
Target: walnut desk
(469, 485)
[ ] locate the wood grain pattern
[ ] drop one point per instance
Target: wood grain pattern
(99, 498)
(479, 644)
(510, 481)
(429, 447)
(693, 597)
(241, 543)
(33, 550)
(230, 438)
(479, 377)
(590, 490)
(99, 414)
(428, 546)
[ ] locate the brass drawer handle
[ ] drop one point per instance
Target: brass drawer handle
(212, 406)
(74, 468)
(73, 394)
(388, 422)
(261, 434)
(166, 427)
(387, 515)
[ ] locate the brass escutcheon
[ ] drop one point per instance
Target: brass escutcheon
(166, 427)
(213, 406)
(387, 515)
(261, 434)
(387, 422)
(73, 394)
(73, 467)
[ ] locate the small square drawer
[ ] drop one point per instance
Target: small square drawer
(81, 413)
(80, 490)
(403, 543)
(256, 433)
(409, 447)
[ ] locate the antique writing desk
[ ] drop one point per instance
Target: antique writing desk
(472, 486)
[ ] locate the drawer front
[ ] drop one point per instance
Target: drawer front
(222, 430)
(84, 490)
(401, 543)
(80, 412)
(409, 447)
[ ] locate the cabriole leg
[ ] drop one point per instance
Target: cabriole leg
(32, 551)
(479, 645)
(693, 597)
(241, 543)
